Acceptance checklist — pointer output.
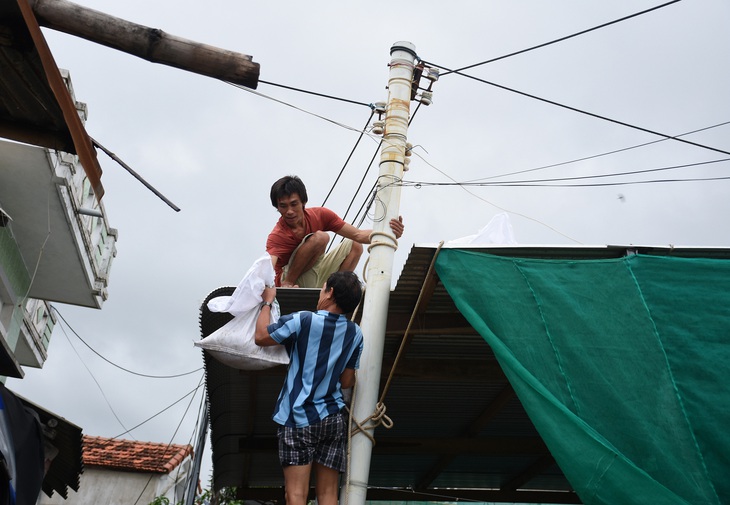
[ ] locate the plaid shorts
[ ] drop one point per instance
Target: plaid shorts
(323, 442)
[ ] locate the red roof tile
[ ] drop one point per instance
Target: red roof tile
(132, 455)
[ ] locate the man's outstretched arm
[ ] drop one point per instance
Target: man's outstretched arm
(363, 236)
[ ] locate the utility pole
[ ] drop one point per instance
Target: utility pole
(380, 264)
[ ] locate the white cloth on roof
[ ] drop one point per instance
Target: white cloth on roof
(497, 231)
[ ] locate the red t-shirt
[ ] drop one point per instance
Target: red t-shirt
(282, 242)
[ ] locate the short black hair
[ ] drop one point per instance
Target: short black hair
(287, 186)
(346, 289)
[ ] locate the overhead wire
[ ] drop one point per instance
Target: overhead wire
(568, 107)
(545, 182)
(583, 177)
(354, 148)
(197, 433)
(98, 385)
(194, 390)
(171, 438)
(282, 102)
(619, 183)
(463, 187)
(561, 39)
(588, 113)
(594, 156)
(362, 132)
(370, 105)
(119, 366)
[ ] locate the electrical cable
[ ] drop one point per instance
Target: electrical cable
(198, 435)
(320, 94)
(94, 379)
(591, 114)
(257, 93)
(419, 184)
(118, 366)
(561, 39)
(160, 412)
(626, 183)
(595, 176)
(455, 183)
(171, 438)
(362, 133)
(362, 180)
(595, 155)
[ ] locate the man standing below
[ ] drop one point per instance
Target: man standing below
(324, 348)
(298, 242)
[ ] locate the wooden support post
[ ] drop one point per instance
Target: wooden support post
(150, 44)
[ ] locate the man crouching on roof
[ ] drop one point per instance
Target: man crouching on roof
(298, 242)
(313, 428)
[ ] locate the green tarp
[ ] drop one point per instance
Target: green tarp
(621, 364)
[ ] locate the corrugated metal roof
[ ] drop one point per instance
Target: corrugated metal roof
(459, 430)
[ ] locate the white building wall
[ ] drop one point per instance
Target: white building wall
(100, 486)
(109, 487)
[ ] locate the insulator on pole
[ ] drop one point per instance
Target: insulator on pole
(432, 74)
(426, 97)
(378, 127)
(379, 108)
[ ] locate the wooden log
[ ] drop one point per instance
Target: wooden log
(147, 43)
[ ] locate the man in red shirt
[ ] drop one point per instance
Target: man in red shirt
(298, 242)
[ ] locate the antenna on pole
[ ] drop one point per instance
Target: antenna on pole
(380, 264)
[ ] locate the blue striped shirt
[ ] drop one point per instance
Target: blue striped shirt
(320, 345)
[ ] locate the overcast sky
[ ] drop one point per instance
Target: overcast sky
(214, 149)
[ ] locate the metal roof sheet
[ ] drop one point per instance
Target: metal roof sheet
(459, 430)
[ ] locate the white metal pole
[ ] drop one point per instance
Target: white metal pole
(380, 264)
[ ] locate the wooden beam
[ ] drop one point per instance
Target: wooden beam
(82, 145)
(147, 43)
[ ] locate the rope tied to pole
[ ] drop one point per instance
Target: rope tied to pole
(392, 243)
(377, 418)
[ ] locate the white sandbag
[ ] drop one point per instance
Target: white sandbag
(247, 295)
(233, 344)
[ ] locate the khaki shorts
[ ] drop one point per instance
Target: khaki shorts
(326, 265)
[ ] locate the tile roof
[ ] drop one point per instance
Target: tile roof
(132, 455)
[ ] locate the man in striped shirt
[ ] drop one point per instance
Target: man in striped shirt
(324, 348)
